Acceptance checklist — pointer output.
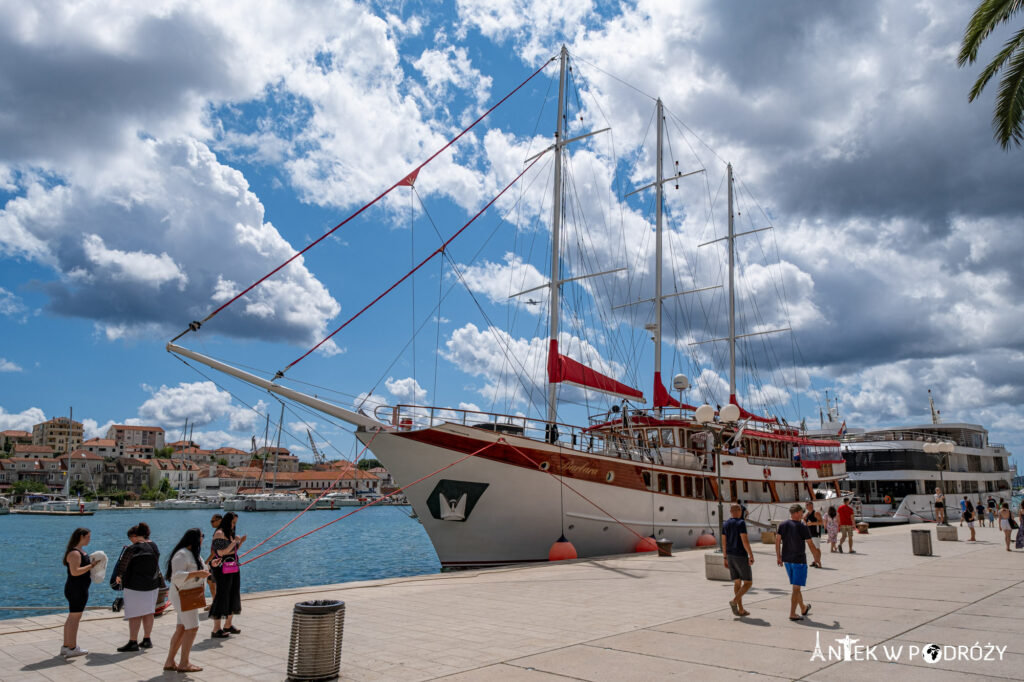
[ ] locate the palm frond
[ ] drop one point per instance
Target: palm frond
(1012, 45)
(986, 18)
(1008, 118)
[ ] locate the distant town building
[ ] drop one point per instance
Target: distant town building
(137, 440)
(125, 473)
(32, 450)
(49, 472)
(180, 473)
(104, 447)
(232, 456)
(11, 437)
(84, 466)
(60, 433)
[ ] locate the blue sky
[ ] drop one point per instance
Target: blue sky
(154, 159)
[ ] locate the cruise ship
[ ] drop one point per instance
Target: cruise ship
(893, 476)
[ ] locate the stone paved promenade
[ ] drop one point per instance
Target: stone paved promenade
(622, 618)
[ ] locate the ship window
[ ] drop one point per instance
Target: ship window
(662, 483)
(698, 488)
(732, 490)
(675, 485)
(647, 478)
(764, 486)
(709, 489)
(668, 437)
(746, 486)
(652, 437)
(688, 486)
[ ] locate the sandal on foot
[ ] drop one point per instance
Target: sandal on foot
(807, 609)
(796, 617)
(735, 608)
(189, 669)
(744, 614)
(171, 668)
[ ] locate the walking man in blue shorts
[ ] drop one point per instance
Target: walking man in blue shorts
(790, 542)
(738, 557)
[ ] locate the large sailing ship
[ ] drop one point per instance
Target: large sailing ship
(495, 488)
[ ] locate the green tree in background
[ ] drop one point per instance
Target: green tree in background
(365, 464)
(21, 487)
(1008, 117)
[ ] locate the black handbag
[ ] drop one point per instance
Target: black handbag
(117, 605)
(118, 569)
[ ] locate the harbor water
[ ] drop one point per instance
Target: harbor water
(377, 542)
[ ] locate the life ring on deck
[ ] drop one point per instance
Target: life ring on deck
(887, 499)
(767, 472)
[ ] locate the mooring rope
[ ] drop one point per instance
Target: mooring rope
(406, 179)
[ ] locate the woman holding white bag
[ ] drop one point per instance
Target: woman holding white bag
(76, 590)
(186, 573)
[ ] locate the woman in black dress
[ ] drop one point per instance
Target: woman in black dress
(138, 573)
(76, 590)
(228, 599)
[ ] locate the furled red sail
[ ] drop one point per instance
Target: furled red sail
(662, 397)
(563, 369)
(750, 415)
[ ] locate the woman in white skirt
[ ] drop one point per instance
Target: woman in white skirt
(185, 570)
(138, 573)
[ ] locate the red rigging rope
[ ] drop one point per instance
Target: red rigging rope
(406, 180)
(559, 478)
(311, 504)
(377, 501)
(440, 249)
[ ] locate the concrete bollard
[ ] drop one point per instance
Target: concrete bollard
(714, 567)
(947, 533)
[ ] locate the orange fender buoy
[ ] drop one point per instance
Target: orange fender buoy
(647, 544)
(562, 550)
(706, 540)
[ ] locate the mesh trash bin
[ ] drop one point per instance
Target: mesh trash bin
(315, 650)
(921, 540)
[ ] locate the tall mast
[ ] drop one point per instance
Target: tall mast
(660, 193)
(732, 293)
(277, 450)
(556, 224)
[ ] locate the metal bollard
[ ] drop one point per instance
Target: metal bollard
(315, 650)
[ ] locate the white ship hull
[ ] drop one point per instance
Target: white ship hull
(187, 504)
(266, 503)
(522, 510)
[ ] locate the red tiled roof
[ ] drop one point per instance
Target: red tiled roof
(25, 447)
(101, 442)
(85, 454)
(11, 433)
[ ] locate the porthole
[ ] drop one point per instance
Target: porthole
(605, 528)
(661, 509)
(691, 531)
(571, 526)
(661, 531)
(544, 466)
(610, 476)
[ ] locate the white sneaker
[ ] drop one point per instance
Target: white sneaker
(64, 651)
(77, 651)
